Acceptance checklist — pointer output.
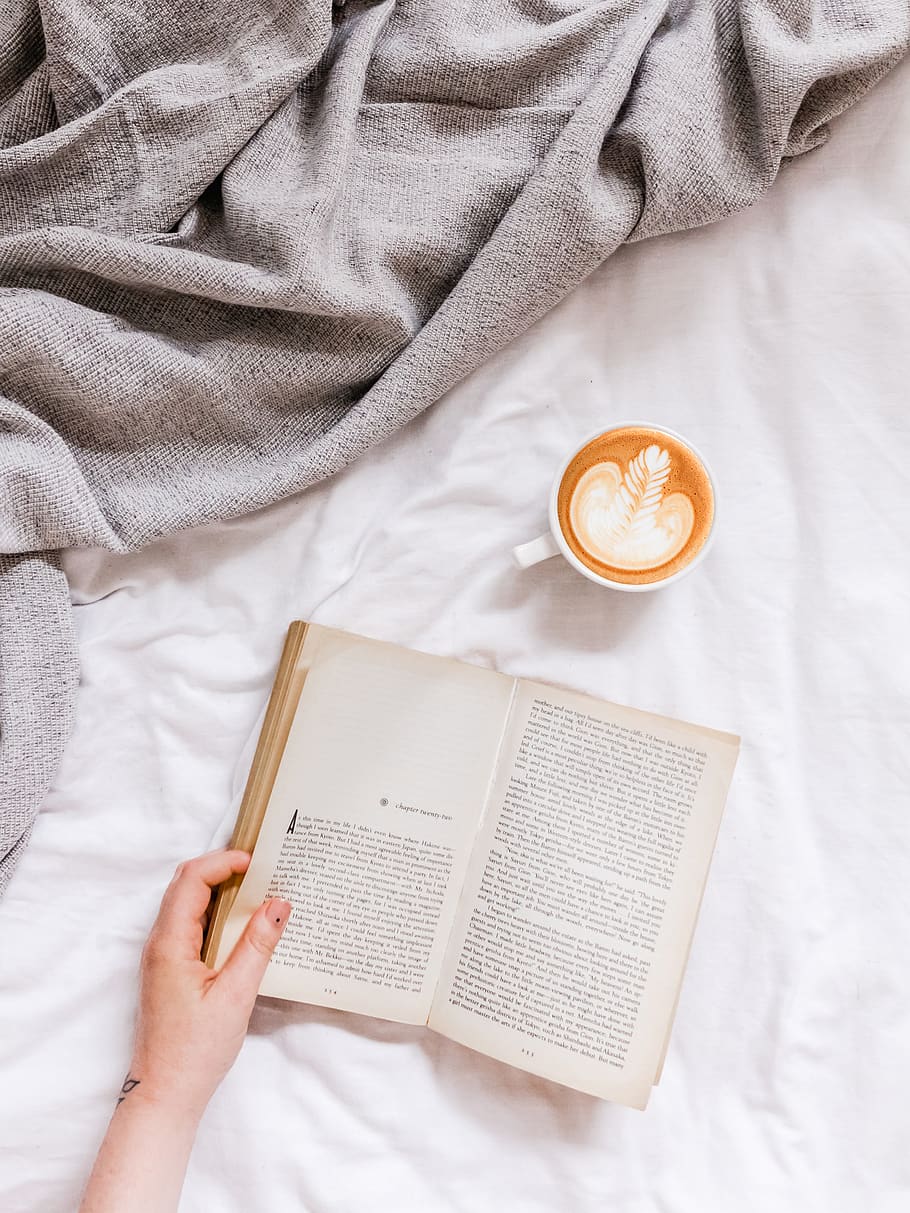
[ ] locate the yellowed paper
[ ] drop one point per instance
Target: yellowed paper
(567, 952)
(371, 821)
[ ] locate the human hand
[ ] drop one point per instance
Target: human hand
(192, 1021)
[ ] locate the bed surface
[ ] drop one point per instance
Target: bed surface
(779, 343)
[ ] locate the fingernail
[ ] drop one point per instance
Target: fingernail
(278, 911)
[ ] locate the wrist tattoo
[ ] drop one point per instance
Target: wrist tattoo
(129, 1083)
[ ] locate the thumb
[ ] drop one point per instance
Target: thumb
(243, 971)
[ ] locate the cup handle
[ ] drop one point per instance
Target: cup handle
(538, 549)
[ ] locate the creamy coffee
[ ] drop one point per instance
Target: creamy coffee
(635, 505)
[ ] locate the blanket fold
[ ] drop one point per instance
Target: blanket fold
(241, 244)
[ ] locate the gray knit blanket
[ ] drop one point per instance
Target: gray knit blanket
(241, 242)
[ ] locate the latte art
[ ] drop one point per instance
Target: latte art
(626, 519)
(635, 505)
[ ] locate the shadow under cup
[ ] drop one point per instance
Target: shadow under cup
(635, 507)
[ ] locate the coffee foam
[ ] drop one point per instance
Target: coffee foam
(635, 505)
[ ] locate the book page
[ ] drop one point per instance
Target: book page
(567, 953)
(370, 823)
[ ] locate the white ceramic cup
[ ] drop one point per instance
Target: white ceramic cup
(554, 542)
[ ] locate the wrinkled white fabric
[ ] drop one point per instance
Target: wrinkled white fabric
(777, 342)
(242, 243)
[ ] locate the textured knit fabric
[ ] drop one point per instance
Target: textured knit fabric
(241, 242)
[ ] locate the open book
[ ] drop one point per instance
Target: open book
(517, 866)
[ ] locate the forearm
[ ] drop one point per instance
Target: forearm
(189, 1030)
(142, 1162)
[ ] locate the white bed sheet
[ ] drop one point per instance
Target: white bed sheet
(779, 341)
